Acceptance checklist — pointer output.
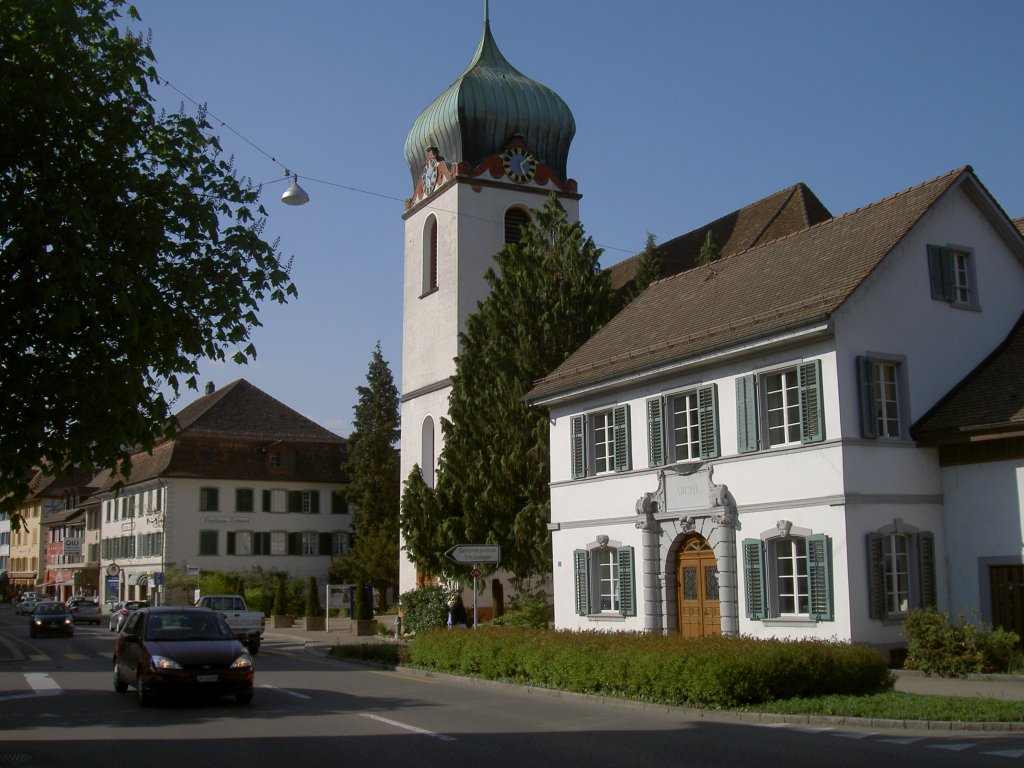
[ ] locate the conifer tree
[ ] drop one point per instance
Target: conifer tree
(374, 482)
(648, 267)
(710, 251)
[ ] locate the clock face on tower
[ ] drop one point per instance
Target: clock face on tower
(519, 164)
(429, 176)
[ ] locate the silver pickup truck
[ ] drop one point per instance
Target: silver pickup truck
(246, 625)
(85, 610)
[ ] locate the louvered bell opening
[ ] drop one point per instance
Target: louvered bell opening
(515, 220)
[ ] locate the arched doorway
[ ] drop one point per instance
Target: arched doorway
(697, 604)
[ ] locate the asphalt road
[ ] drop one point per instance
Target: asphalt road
(58, 707)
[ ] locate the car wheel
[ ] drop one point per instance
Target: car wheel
(254, 647)
(119, 685)
(244, 698)
(141, 692)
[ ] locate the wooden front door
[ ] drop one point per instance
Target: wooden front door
(1007, 584)
(697, 590)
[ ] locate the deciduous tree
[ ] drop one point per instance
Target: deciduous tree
(129, 247)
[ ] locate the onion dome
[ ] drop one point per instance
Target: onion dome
(479, 113)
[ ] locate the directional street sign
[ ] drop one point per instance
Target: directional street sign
(474, 553)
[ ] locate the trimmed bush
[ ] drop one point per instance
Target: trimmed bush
(712, 672)
(528, 611)
(424, 609)
(937, 646)
(313, 608)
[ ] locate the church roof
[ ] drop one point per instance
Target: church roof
(786, 284)
(484, 108)
(783, 213)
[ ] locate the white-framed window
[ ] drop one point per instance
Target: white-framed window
(788, 574)
(240, 543)
(883, 393)
(600, 442)
(683, 426)
(208, 500)
(278, 543)
(275, 500)
(310, 543)
(339, 543)
(780, 407)
(604, 579)
(244, 500)
(901, 567)
(951, 275)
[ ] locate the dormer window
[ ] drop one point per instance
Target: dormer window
(280, 457)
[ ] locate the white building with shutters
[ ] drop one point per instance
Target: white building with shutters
(736, 452)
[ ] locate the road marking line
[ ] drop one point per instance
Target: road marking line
(408, 727)
(411, 678)
(40, 683)
(1006, 753)
(952, 747)
(296, 694)
(75, 656)
(904, 741)
(850, 735)
(38, 657)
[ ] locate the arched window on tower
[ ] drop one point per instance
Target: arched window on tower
(515, 220)
(427, 451)
(430, 256)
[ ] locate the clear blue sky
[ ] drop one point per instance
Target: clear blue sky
(684, 111)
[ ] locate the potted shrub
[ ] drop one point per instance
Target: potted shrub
(279, 616)
(314, 613)
(362, 612)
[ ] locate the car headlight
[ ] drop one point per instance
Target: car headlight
(163, 662)
(39, 622)
(67, 620)
(242, 662)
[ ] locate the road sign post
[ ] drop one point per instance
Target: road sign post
(475, 555)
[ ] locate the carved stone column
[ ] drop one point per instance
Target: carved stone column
(653, 579)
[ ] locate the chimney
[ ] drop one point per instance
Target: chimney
(210, 388)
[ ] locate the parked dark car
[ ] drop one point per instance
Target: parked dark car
(183, 652)
(51, 618)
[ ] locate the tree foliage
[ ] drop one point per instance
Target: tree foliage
(548, 294)
(648, 267)
(710, 251)
(374, 482)
(129, 247)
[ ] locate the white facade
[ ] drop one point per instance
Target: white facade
(838, 496)
(216, 525)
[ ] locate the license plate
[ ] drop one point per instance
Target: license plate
(206, 678)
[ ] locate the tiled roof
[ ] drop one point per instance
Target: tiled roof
(242, 410)
(990, 399)
(1019, 223)
(223, 434)
(789, 283)
(775, 216)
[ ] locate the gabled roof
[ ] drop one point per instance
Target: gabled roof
(236, 423)
(1019, 223)
(783, 213)
(242, 410)
(990, 400)
(784, 285)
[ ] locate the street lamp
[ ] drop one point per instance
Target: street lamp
(294, 195)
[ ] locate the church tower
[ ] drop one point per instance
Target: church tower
(483, 155)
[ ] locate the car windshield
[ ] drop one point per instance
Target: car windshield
(46, 609)
(186, 626)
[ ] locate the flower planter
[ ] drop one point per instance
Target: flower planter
(315, 624)
(281, 621)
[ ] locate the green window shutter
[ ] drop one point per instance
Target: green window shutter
(655, 432)
(294, 501)
(261, 543)
(581, 560)
(746, 414)
(940, 272)
(324, 546)
(294, 543)
(314, 502)
(627, 582)
(577, 436)
(876, 574)
(231, 543)
(926, 565)
(753, 575)
(812, 411)
(266, 501)
(620, 418)
(339, 506)
(707, 419)
(819, 576)
(866, 389)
